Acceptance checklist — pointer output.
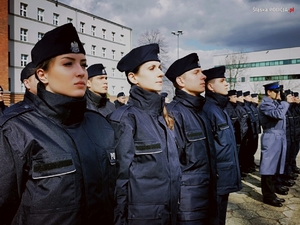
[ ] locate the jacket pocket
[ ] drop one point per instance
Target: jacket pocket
(52, 167)
(144, 212)
(147, 147)
(195, 135)
(194, 194)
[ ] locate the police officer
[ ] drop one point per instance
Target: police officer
(252, 133)
(96, 93)
(148, 169)
(54, 155)
(273, 141)
(243, 118)
(254, 106)
(193, 133)
(231, 110)
(121, 100)
(227, 157)
(30, 81)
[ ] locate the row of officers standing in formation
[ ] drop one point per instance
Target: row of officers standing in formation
(70, 156)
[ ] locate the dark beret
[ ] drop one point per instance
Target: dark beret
(120, 94)
(239, 93)
(288, 92)
(28, 71)
(296, 94)
(216, 72)
(137, 57)
(61, 40)
(95, 70)
(254, 95)
(180, 66)
(246, 93)
(231, 92)
(272, 86)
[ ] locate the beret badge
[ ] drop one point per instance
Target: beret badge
(74, 47)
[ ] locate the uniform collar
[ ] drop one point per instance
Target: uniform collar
(221, 100)
(63, 109)
(98, 100)
(150, 102)
(188, 100)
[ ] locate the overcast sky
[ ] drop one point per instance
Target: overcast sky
(211, 27)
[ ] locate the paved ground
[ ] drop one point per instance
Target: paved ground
(246, 207)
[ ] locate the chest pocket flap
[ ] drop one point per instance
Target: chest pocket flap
(195, 135)
(52, 167)
(223, 126)
(147, 147)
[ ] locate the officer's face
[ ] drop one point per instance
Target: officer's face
(248, 98)
(255, 100)
(192, 81)
(66, 75)
(274, 94)
(98, 84)
(219, 86)
(233, 98)
(149, 77)
(122, 99)
(290, 98)
(240, 98)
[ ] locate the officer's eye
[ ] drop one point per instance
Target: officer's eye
(68, 64)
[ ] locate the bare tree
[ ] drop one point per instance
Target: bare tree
(154, 36)
(235, 66)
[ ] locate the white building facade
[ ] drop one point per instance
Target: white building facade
(261, 67)
(104, 41)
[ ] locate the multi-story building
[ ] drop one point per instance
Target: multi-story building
(104, 41)
(254, 69)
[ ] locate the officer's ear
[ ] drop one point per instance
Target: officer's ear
(132, 78)
(210, 85)
(42, 76)
(89, 83)
(180, 81)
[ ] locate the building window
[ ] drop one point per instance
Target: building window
(93, 30)
(103, 33)
(113, 71)
(122, 54)
(81, 28)
(113, 54)
(113, 36)
(103, 52)
(24, 59)
(40, 14)
(55, 19)
(93, 50)
(40, 35)
(122, 88)
(113, 89)
(243, 79)
(69, 20)
(23, 9)
(122, 38)
(23, 34)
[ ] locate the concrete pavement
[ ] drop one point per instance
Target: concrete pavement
(246, 207)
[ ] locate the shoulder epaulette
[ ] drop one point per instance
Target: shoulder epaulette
(118, 113)
(14, 113)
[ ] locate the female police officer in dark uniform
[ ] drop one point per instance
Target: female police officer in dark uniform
(53, 155)
(148, 170)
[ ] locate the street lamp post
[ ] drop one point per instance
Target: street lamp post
(177, 33)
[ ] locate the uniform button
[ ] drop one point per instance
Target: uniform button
(132, 216)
